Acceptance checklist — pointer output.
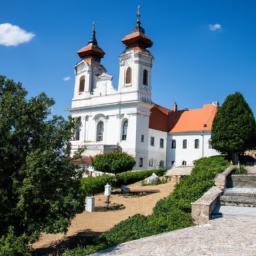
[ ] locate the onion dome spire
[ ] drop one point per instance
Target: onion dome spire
(92, 51)
(137, 39)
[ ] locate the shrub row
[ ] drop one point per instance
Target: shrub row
(93, 185)
(170, 213)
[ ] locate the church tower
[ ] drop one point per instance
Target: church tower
(136, 63)
(89, 68)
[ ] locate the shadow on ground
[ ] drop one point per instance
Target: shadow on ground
(81, 238)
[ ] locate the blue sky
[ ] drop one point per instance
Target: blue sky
(195, 63)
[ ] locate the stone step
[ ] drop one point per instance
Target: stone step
(242, 181)
(245, 197)
(222, 211)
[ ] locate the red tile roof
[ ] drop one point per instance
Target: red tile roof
(192, 120)
(136, 39)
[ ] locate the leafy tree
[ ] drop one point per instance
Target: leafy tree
(234, 128)
(39, 187)
(113, 162)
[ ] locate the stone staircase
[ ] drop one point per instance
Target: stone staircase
(239, 197)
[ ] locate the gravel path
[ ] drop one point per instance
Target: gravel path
(228, 236)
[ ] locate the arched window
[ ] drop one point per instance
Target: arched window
(145, 77)
(184, 163)
(184, 144)
(100, 131)
(81, 84)
(196, 143)
(124, 129)
(173, 143)
(77, 128)
(128, 75)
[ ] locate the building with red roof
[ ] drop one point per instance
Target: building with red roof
(126, 118)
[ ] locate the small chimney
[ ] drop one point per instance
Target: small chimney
(175, 107)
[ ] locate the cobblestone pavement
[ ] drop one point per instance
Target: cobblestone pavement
(228, 236)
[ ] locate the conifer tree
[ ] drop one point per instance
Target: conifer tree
(234, 128)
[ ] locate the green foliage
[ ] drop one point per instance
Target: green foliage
(170, 213)
(93, 185)
(234, 128)
(38, 184)
(113, 162)
(11, 245)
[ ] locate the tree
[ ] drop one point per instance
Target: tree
(113, 162)
(234, 128)
(39, 186)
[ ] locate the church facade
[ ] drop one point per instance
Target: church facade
(126, 118)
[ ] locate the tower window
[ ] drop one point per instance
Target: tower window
(100, 131)
(184, 144)
(124, 129)
(161, 143)
(81, 84)
(196, 143)
(145, 77)
(128, 75)
(173, 143)
(77, 128)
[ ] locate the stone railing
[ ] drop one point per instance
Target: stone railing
(202, 208)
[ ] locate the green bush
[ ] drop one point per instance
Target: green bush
(113, 162)
(170, 213)
(93, 185)
(11, 245)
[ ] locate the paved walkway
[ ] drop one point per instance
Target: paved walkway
(228, 236)
(179, 171)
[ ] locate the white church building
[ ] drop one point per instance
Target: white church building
(126, 118)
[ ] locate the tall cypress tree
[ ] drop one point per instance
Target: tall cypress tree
(234, 128)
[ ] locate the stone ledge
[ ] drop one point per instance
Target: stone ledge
(220, 180)
(204, 206)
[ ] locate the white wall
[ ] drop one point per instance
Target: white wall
(156, 153)
(190, 154)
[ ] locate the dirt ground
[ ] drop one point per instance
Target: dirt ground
(101, 220)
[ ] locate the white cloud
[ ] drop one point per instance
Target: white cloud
(66, 78)
(12, 35)
(215, 27)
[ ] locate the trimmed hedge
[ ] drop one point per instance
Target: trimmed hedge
(170, 213)
(93, 185)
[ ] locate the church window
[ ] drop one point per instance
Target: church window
(161, 164)
(124, 129)
(81, 84)
(184, 144)
(161, 143)
(196, 143)
(77, 128)
(210, 143)
(145, 77)
(152, 141)
(173, 143)
(128, 76)
(141, 162)
(100, 131)
(184, 163)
